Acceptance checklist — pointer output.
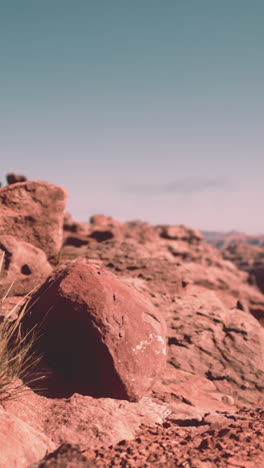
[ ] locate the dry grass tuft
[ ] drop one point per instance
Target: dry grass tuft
(18, 360)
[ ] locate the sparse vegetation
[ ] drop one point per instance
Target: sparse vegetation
(17, 358)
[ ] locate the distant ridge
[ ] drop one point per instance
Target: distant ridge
(224, 239)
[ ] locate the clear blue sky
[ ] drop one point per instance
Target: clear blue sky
(146, 109)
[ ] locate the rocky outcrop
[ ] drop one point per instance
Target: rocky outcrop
(24, 266)
(78, 419)
(164, 259)
(101, 319)
(207, 339)
(118, 339)
(101, 220)
(249, 258)
(197, 291)
(15, 178)
(33, 212)
(180, 233)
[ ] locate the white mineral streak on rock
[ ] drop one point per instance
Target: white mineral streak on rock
(144, 343)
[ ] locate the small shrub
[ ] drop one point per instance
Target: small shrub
(18, 360)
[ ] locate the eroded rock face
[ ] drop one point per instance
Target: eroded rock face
(162, 259)
(226, 346)
(24, 266)
(181, 233)
(99, 331)
(33, 212)
(249, 258)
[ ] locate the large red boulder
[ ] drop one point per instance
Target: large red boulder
(99, 332)
(33, 212)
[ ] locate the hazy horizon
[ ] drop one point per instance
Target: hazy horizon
(142, 110)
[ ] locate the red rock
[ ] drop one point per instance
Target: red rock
(100, 229)
(181, 233)
(164, 262)
(33, 212)
(249, 258)
(20, 443)
(76, 227)
(190, 395)
(118, 341)
(25, 266)
(101, 220)
(215, 355)
(206, 444)
(226, 346)
(83, 420)
(67, 455)
(15, 178)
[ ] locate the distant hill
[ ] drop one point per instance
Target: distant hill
(222, 240)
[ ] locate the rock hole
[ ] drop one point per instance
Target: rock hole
(25, 270)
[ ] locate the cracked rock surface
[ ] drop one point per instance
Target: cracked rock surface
(203, 410)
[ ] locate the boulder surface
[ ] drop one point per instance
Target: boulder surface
(24, 266)
(33, 212)
(99, 332)
(20, 444)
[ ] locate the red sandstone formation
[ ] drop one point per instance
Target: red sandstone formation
(203, 411)
(33, 212)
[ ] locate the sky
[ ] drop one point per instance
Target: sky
(141, 109)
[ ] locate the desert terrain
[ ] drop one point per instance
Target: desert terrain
(139, 345)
